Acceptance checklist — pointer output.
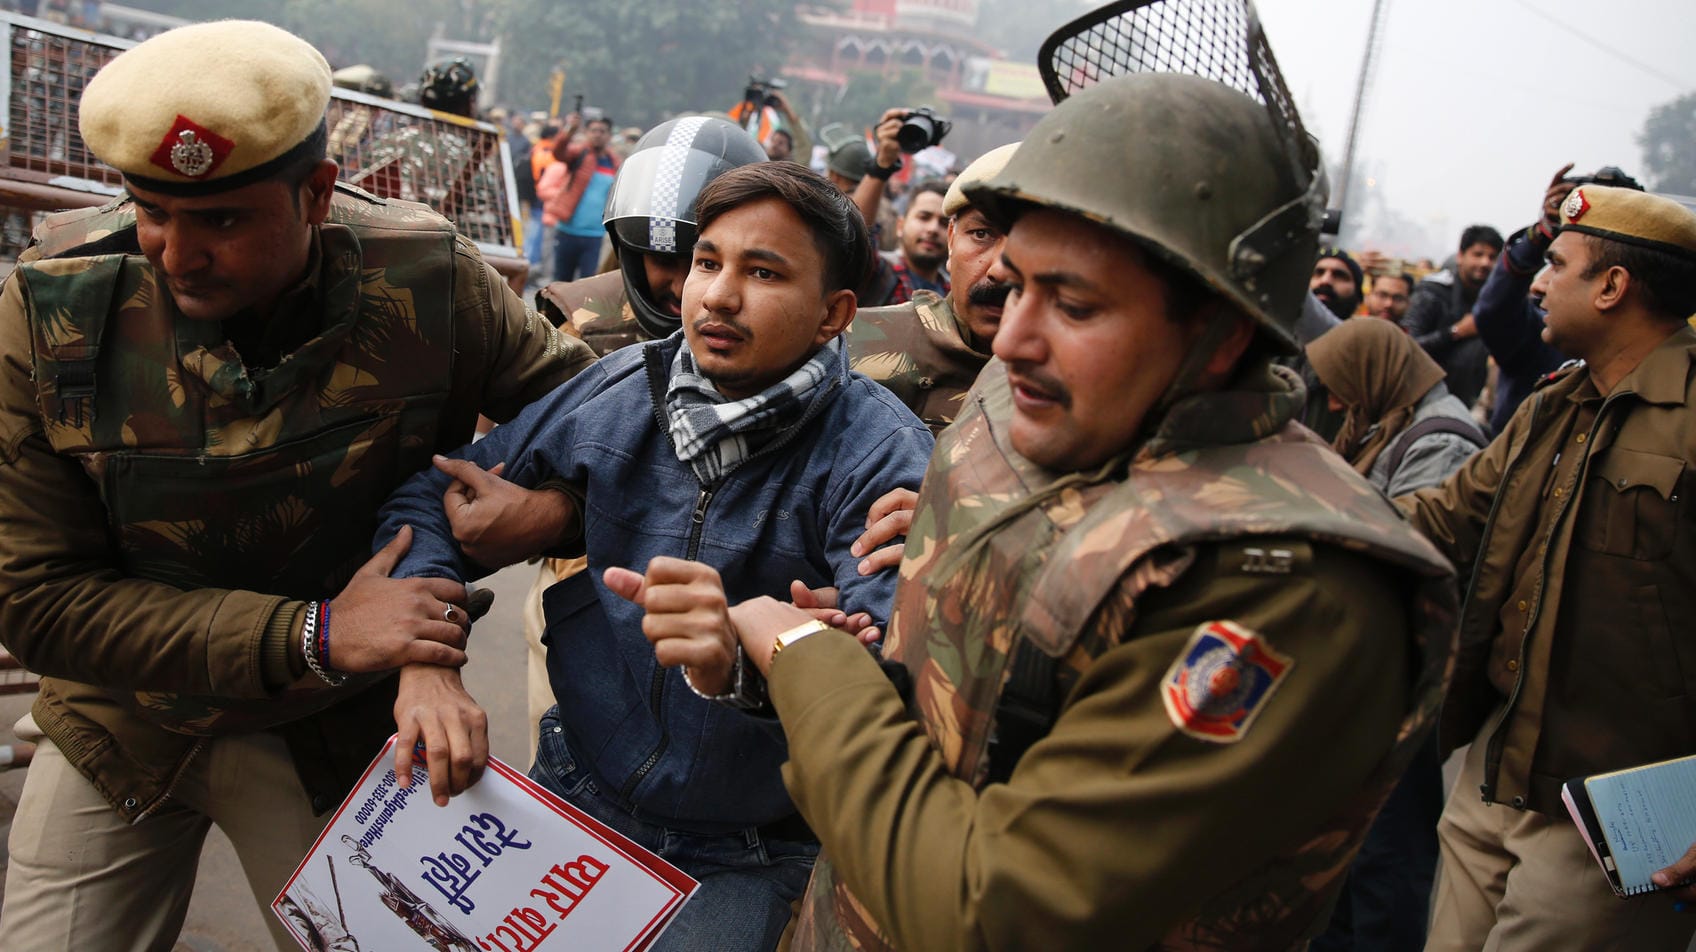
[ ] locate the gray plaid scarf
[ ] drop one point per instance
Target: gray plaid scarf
(715, 435)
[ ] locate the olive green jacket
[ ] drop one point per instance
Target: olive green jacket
(1594, 668)
(1162, 809)
(145, 571)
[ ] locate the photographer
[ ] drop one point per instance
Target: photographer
(574, 192)
(900, 130)
(762, 102)
(790, 139)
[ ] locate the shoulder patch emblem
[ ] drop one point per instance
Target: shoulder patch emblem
(1221, 682)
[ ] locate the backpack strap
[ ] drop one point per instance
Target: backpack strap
(1426, 427)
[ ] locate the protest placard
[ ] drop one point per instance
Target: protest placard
(504, 867)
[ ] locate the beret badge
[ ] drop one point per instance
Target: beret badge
(190, 150)
(1575, 206)
(191, 156)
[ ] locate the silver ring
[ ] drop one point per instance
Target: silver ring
(448, 615)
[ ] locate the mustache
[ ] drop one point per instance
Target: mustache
(989, 293)
(1047, 383)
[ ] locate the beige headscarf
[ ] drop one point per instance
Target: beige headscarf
(1380, 374)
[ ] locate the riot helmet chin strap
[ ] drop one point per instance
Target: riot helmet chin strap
(1218, 323)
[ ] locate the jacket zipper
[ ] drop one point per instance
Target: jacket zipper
(698, 521)
(656, 689)
(176, 778)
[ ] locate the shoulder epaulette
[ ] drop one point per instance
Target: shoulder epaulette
(1559, 373)
(354, 191)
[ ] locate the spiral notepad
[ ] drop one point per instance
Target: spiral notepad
(1636, 821)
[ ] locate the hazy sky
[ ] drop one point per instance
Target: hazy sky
(1475, 103)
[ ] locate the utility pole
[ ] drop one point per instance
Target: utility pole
(1363, 86)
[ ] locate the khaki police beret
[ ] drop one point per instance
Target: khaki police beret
(982, 169)
(208, 107)
(1637, 218)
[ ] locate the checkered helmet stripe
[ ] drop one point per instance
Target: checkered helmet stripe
(668, 183)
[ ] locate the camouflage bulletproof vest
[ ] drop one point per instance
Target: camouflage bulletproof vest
(918, 351)
(216, 475)
(1077, 562)
(594, 309)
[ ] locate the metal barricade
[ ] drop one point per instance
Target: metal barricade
(460, 167)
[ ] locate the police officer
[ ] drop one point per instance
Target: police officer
(208, 388)
(1166, 651)
(930, 349)
(1575, 656)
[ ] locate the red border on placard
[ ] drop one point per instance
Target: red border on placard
(681, 884)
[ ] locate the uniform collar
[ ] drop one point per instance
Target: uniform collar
(943, 306)
(1662, 376)
(1262, 399)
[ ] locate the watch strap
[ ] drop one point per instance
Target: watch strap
(786, 638)
(883, 172)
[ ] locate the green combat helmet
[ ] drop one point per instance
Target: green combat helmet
(1196, 181)
(1174, 127)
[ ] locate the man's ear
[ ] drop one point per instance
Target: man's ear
(839, 313)
(1616, 284)
(320, 187)
(1231, 348)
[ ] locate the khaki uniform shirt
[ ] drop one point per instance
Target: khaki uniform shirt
(1575, 655)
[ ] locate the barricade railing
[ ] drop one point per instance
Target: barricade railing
(460, 167)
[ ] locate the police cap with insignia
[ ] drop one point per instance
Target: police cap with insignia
(1636, 218)
(982, 169)
(209, 107)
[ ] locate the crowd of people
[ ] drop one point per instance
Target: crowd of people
(563, 170)
(1103, 563)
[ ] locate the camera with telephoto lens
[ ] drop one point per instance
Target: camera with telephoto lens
(763, 92)
(921, 129)
(1610, 175)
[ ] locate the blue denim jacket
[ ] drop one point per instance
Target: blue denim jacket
(790, 512)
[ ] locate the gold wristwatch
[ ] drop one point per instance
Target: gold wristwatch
(787, 638)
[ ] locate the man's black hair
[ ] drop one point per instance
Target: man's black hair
(1401, 276)
(295, 174)
(931, 185)
(1481, 235)
(838, 230)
